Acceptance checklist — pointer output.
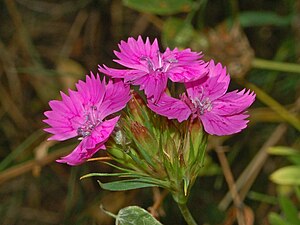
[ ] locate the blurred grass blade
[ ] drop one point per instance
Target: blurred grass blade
(276, 66)
(283, 151)
(263, 18)
(289, 209)
(266, 99)
(24, 145)
(161, 7)
(275, 219)
(260, 197)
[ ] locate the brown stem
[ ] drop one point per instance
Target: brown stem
(158, 199)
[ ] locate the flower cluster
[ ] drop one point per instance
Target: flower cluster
(85, 113)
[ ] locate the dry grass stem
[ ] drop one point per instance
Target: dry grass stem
(232, 187)
(158, 198)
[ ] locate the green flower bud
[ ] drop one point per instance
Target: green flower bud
(163, 152)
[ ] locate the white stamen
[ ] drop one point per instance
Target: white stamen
(162, 65)
(203, 106)
(91, 121)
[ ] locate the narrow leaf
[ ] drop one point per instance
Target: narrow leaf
(283, 150)
(125, 185)
(290, 211)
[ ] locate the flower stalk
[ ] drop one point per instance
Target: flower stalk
(186, 214)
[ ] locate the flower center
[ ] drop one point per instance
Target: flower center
(202, 106)
(91, 121)
(162, 65)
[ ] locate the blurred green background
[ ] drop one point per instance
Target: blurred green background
(46, 46)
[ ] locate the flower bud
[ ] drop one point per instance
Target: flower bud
(140, 132)
(136, 105)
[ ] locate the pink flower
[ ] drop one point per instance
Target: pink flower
(150, 69)
(83, 114)
(221, 113)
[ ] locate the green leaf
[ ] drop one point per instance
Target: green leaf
(134, 215)
(104, 175)
(177, 33)
(263, 18)
(289, 175)
(275, 219)
(283, 150)
(125, 185)
(295, 159)
(161, 7)
(297, 192)
(134, 175)
(289, 210)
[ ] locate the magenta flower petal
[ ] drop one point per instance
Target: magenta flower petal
(90, 145)
(128, 75)
(78, 155)
(104, 130)
(214, 85)
(185, 65)
(234, 102)
(132, 51)
(92, 91)
(83, 114)
(64, 118)
(223, 125)
(153, 86)
(116, 97)
(147, 67)
(170, 107)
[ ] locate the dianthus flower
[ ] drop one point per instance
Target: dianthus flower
(151, 69)
(221, 113)
(84, 113)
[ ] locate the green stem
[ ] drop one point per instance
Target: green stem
(277, 66)
(234, 9)
(186, 214)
